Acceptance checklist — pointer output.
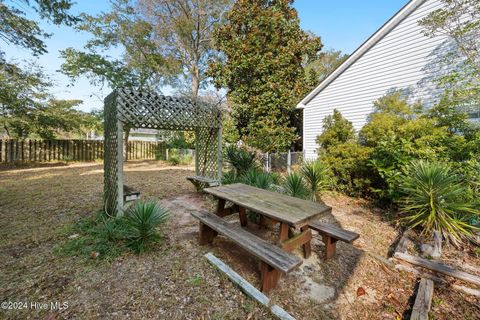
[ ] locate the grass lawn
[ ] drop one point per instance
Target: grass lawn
(39, 206)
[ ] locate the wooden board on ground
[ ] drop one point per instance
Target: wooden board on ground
(246, 287)
(438, 267)
(293, 211)
(423, 301)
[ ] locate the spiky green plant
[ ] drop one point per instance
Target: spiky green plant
(241, 159)
(294, 186)
(316, 176)
(141, 221)
(230, 177)
(257, 178)
(433, 199)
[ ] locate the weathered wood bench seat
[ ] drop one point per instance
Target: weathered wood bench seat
(331, 234)
(202, 182)
(273, 260)
(130, 194)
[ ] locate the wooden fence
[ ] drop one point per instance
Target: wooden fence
(12, 150)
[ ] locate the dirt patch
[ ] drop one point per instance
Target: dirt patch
(175, 281)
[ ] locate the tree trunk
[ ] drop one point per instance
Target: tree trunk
(195, 82)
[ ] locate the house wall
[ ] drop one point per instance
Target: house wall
(402, 60)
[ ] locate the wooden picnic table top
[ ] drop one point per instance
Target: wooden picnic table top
(293, 211)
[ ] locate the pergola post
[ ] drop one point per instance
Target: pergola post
(219, 154)
(119, 168)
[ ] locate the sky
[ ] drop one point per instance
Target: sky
(341, 24)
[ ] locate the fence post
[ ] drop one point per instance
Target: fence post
(166, 154)
(268, 162)
(289, 161)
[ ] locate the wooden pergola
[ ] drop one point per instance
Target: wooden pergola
(143, 109)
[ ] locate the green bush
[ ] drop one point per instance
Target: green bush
(317, 177)
(349, 166)
(295, 186)
(141, 222)
(174, 159)
(241, 159)
(95, 238)
(257, 178)
(434, 199)
(336, 130)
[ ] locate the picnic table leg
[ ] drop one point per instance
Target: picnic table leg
(330, 246)
(206, 234)
(243, 216)
(283, 232)
(307, 248)
(269, 276)
(221, 207)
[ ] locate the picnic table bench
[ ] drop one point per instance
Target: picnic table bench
(331, 234)
(273, 260)
(202, 182)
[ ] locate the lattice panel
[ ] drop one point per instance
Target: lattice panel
(110, 163)
(150, 110)
(141, 109)
(206, 150)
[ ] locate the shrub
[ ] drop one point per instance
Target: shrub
(295, 186)
(434, 199)
(141, 222)
(349, 166)
(174, 159)
(316, 175)
(257, 178)
(99, 237)
(336, 130)
(241, 159)
(230, 177)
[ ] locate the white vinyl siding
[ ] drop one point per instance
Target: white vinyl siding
(398, 61)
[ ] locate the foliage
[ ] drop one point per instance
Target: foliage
(433, 198)
(457, 65)
(241, 159)
(336, 130)
(230, 177)
(257, 178)
(16, 29)
(316, 175)
(295, 186)
(326, 63)
(264, 53)
(183, 29)
(341, 152)
(98, 237)
(349, 165)
(141, 222)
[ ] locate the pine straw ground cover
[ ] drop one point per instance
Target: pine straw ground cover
(38, 206)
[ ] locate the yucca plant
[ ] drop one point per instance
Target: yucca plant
(141, 222)
(316, 176)
(230, 177)
(241, 159)
(257, 178)
(433, 199)
(294, 186)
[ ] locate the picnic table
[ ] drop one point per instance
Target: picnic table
(290, 212)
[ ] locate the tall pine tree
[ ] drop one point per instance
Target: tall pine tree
(265, 52)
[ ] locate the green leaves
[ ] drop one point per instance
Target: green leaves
(294, 186)
(434, 199)
(317, 176)
(241, 159)
(141, 221)
(264, 52)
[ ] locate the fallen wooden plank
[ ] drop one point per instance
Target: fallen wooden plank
(438, 267)
(423, 301)
(246, 287)
(438, 280)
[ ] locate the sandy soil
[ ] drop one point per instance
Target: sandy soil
(174, 281)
